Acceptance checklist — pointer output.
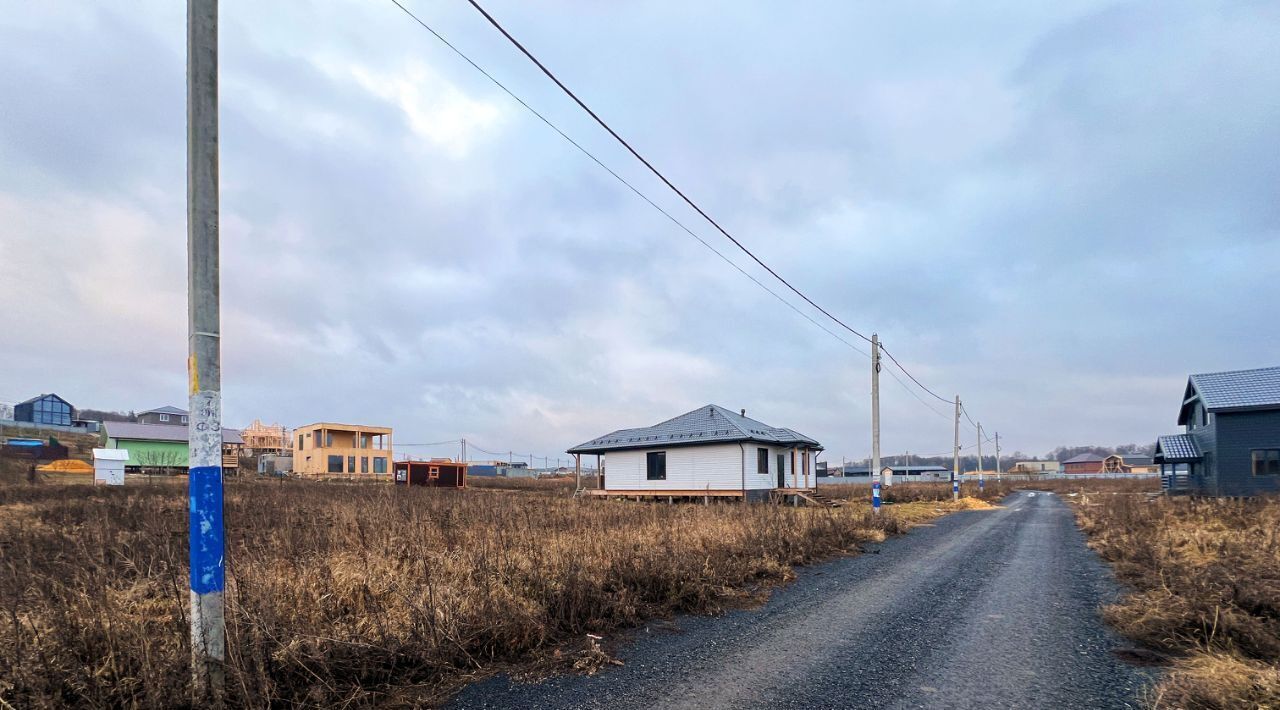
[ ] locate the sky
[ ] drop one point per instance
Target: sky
(1056, 211)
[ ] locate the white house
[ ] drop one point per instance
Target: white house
(710, 451)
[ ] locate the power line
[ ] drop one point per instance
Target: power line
(654, 170)
(669, 184)
(621, 179)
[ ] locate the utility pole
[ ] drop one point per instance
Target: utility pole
(997, 455)
(464, 450)
(875, 423)
(981, 483)
(955, 457)
(204, 367)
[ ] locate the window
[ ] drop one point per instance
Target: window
(351, 464)
(164, 417)
(364, 464)
(299, 442)
(335, 464)
(656, 466)
(328, 438)
(184, 419)
(782, 463)
(1266, 462)
(762, 461)
(379, 464)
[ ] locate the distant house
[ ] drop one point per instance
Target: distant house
(1136, 463)
(710, 451)
(1084, 463)
(163, 415)
(1231, 442)
(349, 450)
(265, 438)
(163, 446)
(1036, 467)
(48, 409)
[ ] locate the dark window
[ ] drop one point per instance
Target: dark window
(656, 465)
(1266, 462)
(299, 442)
(782, 463)
(328, 439)
(351, 464)
(379, 464)
(762, 461)
(335, 464)
(364, 464)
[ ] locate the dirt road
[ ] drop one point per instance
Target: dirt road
(985, 609)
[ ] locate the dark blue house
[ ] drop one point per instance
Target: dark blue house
(45, 409)
(1231, 445)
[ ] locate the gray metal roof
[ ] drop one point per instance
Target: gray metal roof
(1176, 447)
(166, 410)
(160, 432)
(711, 424)
(1085, 458)
(1235, 390)
(1135, 459)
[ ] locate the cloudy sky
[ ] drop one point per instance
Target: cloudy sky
(1056, 210)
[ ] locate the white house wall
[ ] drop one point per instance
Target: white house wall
(716, 467)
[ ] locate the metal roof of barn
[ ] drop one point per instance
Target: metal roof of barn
(1176, 447)
(711, 424)
(160, 432)
(1236, 390)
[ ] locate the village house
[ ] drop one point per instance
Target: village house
(1231, 442)
(164, 415)
(164, 447)
(348, 450)
(709, 452)
(1036, 467)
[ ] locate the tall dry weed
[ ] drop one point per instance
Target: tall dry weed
(364, 594)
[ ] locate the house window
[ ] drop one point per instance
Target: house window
(351, 464)
(184, 419)
(379, 464)
(164, 417)
(762, 461)
(335, 464)
(782, 463)
(328, 439)
(1266, 462)
(299, 442)
(656, 466)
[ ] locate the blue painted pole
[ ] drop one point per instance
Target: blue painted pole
(875, 496)
(955, 488)
(204, 369)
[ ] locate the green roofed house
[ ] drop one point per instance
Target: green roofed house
(163, 446)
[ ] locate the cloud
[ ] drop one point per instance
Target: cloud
(1056, 212)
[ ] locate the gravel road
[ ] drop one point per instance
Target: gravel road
(984, 609)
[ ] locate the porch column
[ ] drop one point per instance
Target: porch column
(795, 475)
(805, 459)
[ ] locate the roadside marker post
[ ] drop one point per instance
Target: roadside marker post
(875, 495)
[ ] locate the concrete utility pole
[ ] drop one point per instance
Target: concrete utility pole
(464, 451)
(997, 454)
(875, 423)
(204, 369)
(981, 484)
(955, 460)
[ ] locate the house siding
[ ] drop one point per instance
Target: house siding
(1236, 435)
(719, 467)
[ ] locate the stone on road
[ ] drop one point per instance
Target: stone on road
(984, 609)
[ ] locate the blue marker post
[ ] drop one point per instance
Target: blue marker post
(208, 629)
(875, 496)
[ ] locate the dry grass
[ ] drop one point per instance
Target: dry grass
(1205, 576)
(369, 595)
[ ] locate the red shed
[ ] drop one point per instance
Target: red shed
(442, 473)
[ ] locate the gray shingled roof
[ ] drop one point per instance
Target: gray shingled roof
(1239, 389)
(166, 410)
(1176, 447)
(160, 432)
(711, 424)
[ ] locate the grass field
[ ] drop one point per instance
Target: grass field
(371, 595)
(1205, 581)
